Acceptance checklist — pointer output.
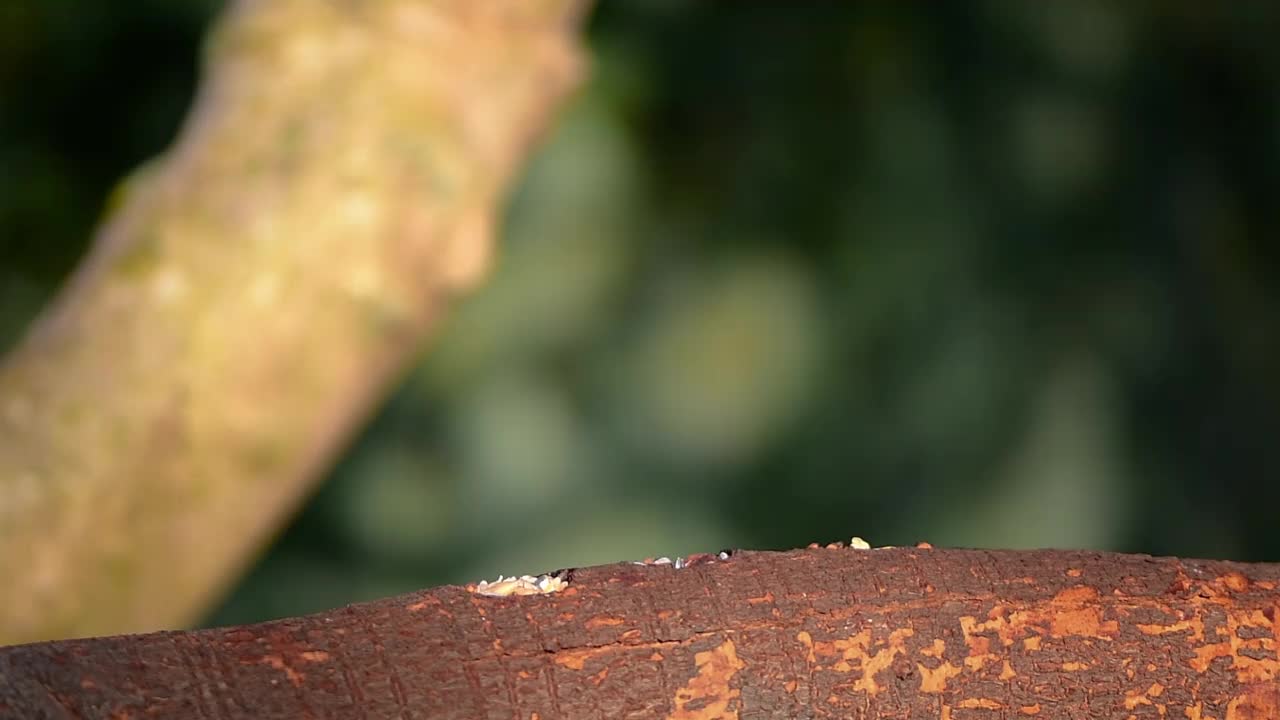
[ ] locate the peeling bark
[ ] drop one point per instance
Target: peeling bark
(818, 633)
(255, 292)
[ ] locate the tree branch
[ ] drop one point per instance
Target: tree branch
(888, 633)
(255, 292)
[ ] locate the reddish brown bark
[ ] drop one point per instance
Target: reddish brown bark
(891, 633)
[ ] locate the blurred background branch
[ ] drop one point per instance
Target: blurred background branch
(998, 274)
(252, 293)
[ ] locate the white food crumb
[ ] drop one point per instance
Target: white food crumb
(858, 543)
(523, 585)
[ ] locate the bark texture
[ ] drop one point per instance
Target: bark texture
(253, 293)
(819, 633)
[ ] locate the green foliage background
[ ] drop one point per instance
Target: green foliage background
(985, 274)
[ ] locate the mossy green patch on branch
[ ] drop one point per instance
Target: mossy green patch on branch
(140, 257)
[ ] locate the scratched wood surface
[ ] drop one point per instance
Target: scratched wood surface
(818, 633)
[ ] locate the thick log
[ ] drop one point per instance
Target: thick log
(818, 633)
